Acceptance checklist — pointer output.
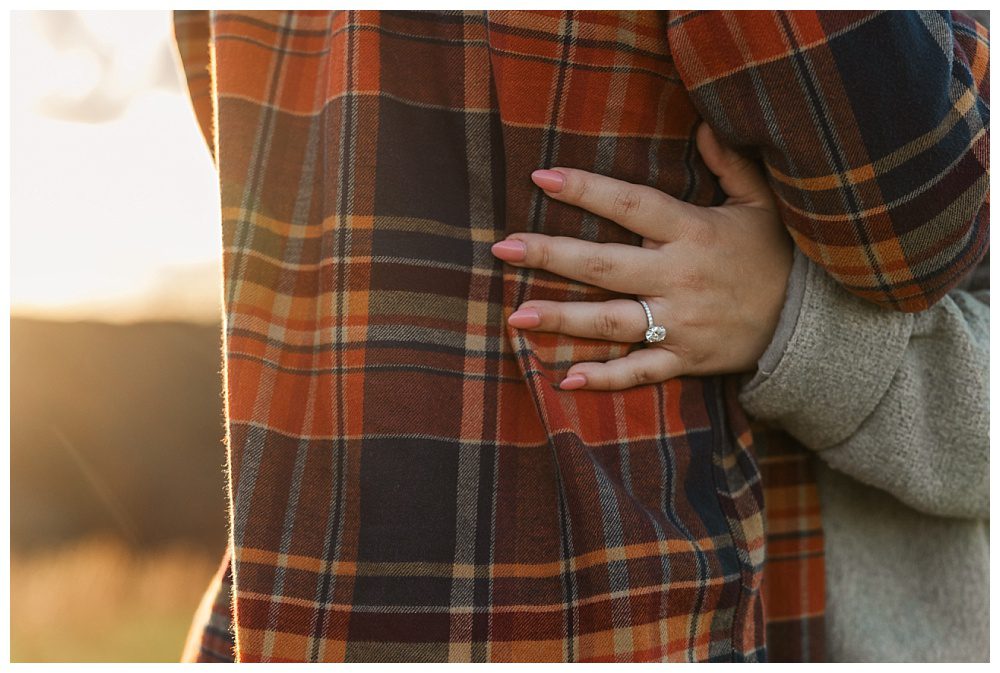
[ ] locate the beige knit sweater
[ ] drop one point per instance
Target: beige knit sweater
(897, 407)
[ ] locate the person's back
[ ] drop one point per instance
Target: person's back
(408, 482)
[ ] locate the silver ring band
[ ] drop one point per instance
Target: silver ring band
(654, 333)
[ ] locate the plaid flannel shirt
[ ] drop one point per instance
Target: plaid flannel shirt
(406, 480)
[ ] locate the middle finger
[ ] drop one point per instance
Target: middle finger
(613, 266)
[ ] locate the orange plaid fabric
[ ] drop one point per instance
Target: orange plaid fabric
(406, 479)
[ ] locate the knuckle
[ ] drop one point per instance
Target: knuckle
(640, 377)
(607, 325)
(598, 266)
(608, 379)
(543, 251)
(627, 202)
(579, 187)
(556, 318)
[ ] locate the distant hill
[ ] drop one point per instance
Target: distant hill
(116, 429)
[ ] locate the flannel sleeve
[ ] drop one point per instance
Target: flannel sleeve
(192, 41)
(873, 128)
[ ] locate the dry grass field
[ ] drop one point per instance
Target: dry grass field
(117, 488)
(95, 601)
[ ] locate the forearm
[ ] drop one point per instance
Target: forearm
(899, 401)
(881, 171)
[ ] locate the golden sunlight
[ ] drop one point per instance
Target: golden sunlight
(114, 197)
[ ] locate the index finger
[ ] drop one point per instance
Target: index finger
(644, 210)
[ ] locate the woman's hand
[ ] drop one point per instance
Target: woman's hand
(714, 277)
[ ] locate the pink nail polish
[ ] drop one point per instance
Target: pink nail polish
(525, 318)
(510, 251)
(573, 381)
(550, 181)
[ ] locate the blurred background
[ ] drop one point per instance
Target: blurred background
(117, 481)
(117, 462)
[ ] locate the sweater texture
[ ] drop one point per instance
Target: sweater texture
(896, 407)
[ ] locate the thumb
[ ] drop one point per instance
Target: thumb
(739, 177)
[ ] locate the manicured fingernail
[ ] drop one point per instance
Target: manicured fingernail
(573, 381)
(510, 251)
(525, 318)
(550, 181)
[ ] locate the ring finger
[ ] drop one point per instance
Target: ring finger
(614, 320)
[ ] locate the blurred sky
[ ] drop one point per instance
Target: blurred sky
(114, 211)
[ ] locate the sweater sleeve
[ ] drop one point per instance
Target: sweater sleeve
(873, 128)
(898, 401)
